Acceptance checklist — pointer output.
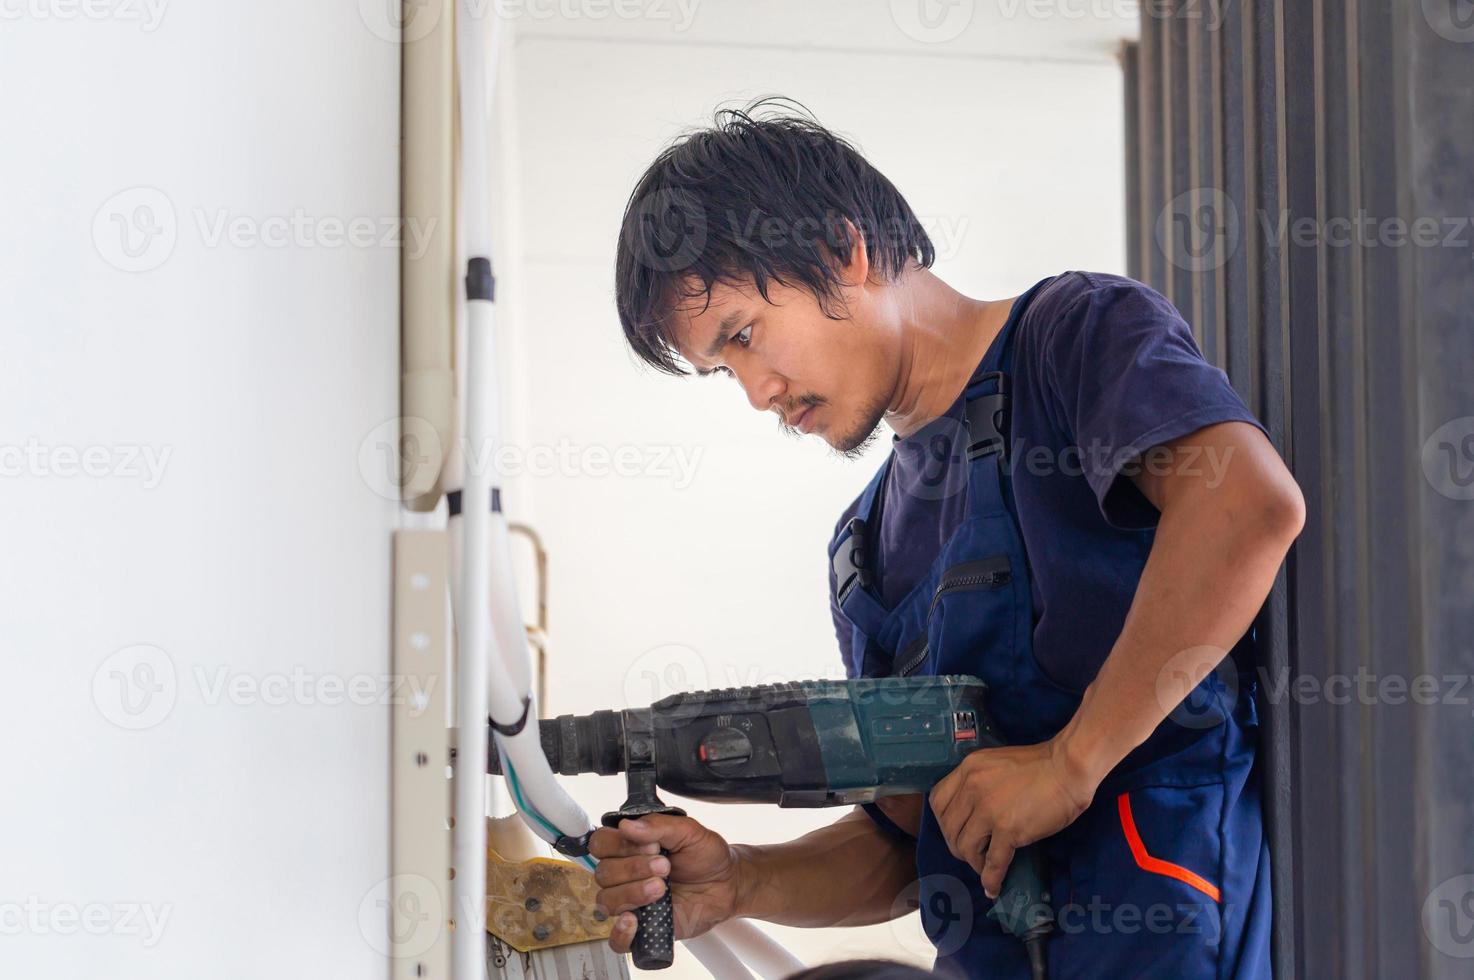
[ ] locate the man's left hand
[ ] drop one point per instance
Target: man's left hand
(1002, 799)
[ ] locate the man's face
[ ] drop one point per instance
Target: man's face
(831, 378)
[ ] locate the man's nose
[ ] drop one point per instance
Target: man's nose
(762, 387)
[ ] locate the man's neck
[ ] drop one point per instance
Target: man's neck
(944, 335)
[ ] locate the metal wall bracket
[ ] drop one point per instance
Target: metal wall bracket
(419, 893)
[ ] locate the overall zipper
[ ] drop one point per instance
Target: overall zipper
(985, 573)
(917, 659)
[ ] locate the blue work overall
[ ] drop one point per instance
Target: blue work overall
(1166, 874)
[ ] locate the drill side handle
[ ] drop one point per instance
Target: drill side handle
(654, 944)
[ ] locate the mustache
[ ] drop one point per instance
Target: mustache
(803, 404)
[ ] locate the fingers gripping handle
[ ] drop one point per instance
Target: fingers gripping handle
(655, 935)
(655, 931)
(1023, 906)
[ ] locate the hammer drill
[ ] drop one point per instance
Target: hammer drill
(798, 744)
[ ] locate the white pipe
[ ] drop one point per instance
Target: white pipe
(718, 959)
(473, 623)
(473, 630)
(476, 33)
(495, 677)
(509, 679)
(758, 949)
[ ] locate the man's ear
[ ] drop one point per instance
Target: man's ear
(856, 271)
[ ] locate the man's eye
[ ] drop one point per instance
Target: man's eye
(744, 336)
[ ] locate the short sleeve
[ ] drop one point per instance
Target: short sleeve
(1126, 375)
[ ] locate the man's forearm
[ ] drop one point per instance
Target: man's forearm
(849, 873)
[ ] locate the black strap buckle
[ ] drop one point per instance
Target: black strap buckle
(850, 561)
(516, 726)
(987, 421)
(574, 847)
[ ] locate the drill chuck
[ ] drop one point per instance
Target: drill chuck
(579, 743)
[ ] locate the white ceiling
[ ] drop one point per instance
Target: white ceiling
(1073, 30)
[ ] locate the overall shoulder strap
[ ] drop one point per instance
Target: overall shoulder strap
(989, 401)
(850, 557)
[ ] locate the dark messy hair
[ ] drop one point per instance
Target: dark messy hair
(762, 195)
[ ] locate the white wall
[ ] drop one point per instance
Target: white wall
(252, 829)
(1007, 141)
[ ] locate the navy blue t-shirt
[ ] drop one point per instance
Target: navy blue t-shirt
(1104, 369)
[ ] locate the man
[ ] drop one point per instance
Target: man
(1077, 508)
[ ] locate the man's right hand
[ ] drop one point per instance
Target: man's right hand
(704, 873)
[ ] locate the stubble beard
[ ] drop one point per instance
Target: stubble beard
(855, 443)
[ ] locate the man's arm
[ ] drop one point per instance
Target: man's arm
(849, 873)
(1220, 539)
(1217, 549)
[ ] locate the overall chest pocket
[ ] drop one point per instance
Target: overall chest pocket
(969, 622)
